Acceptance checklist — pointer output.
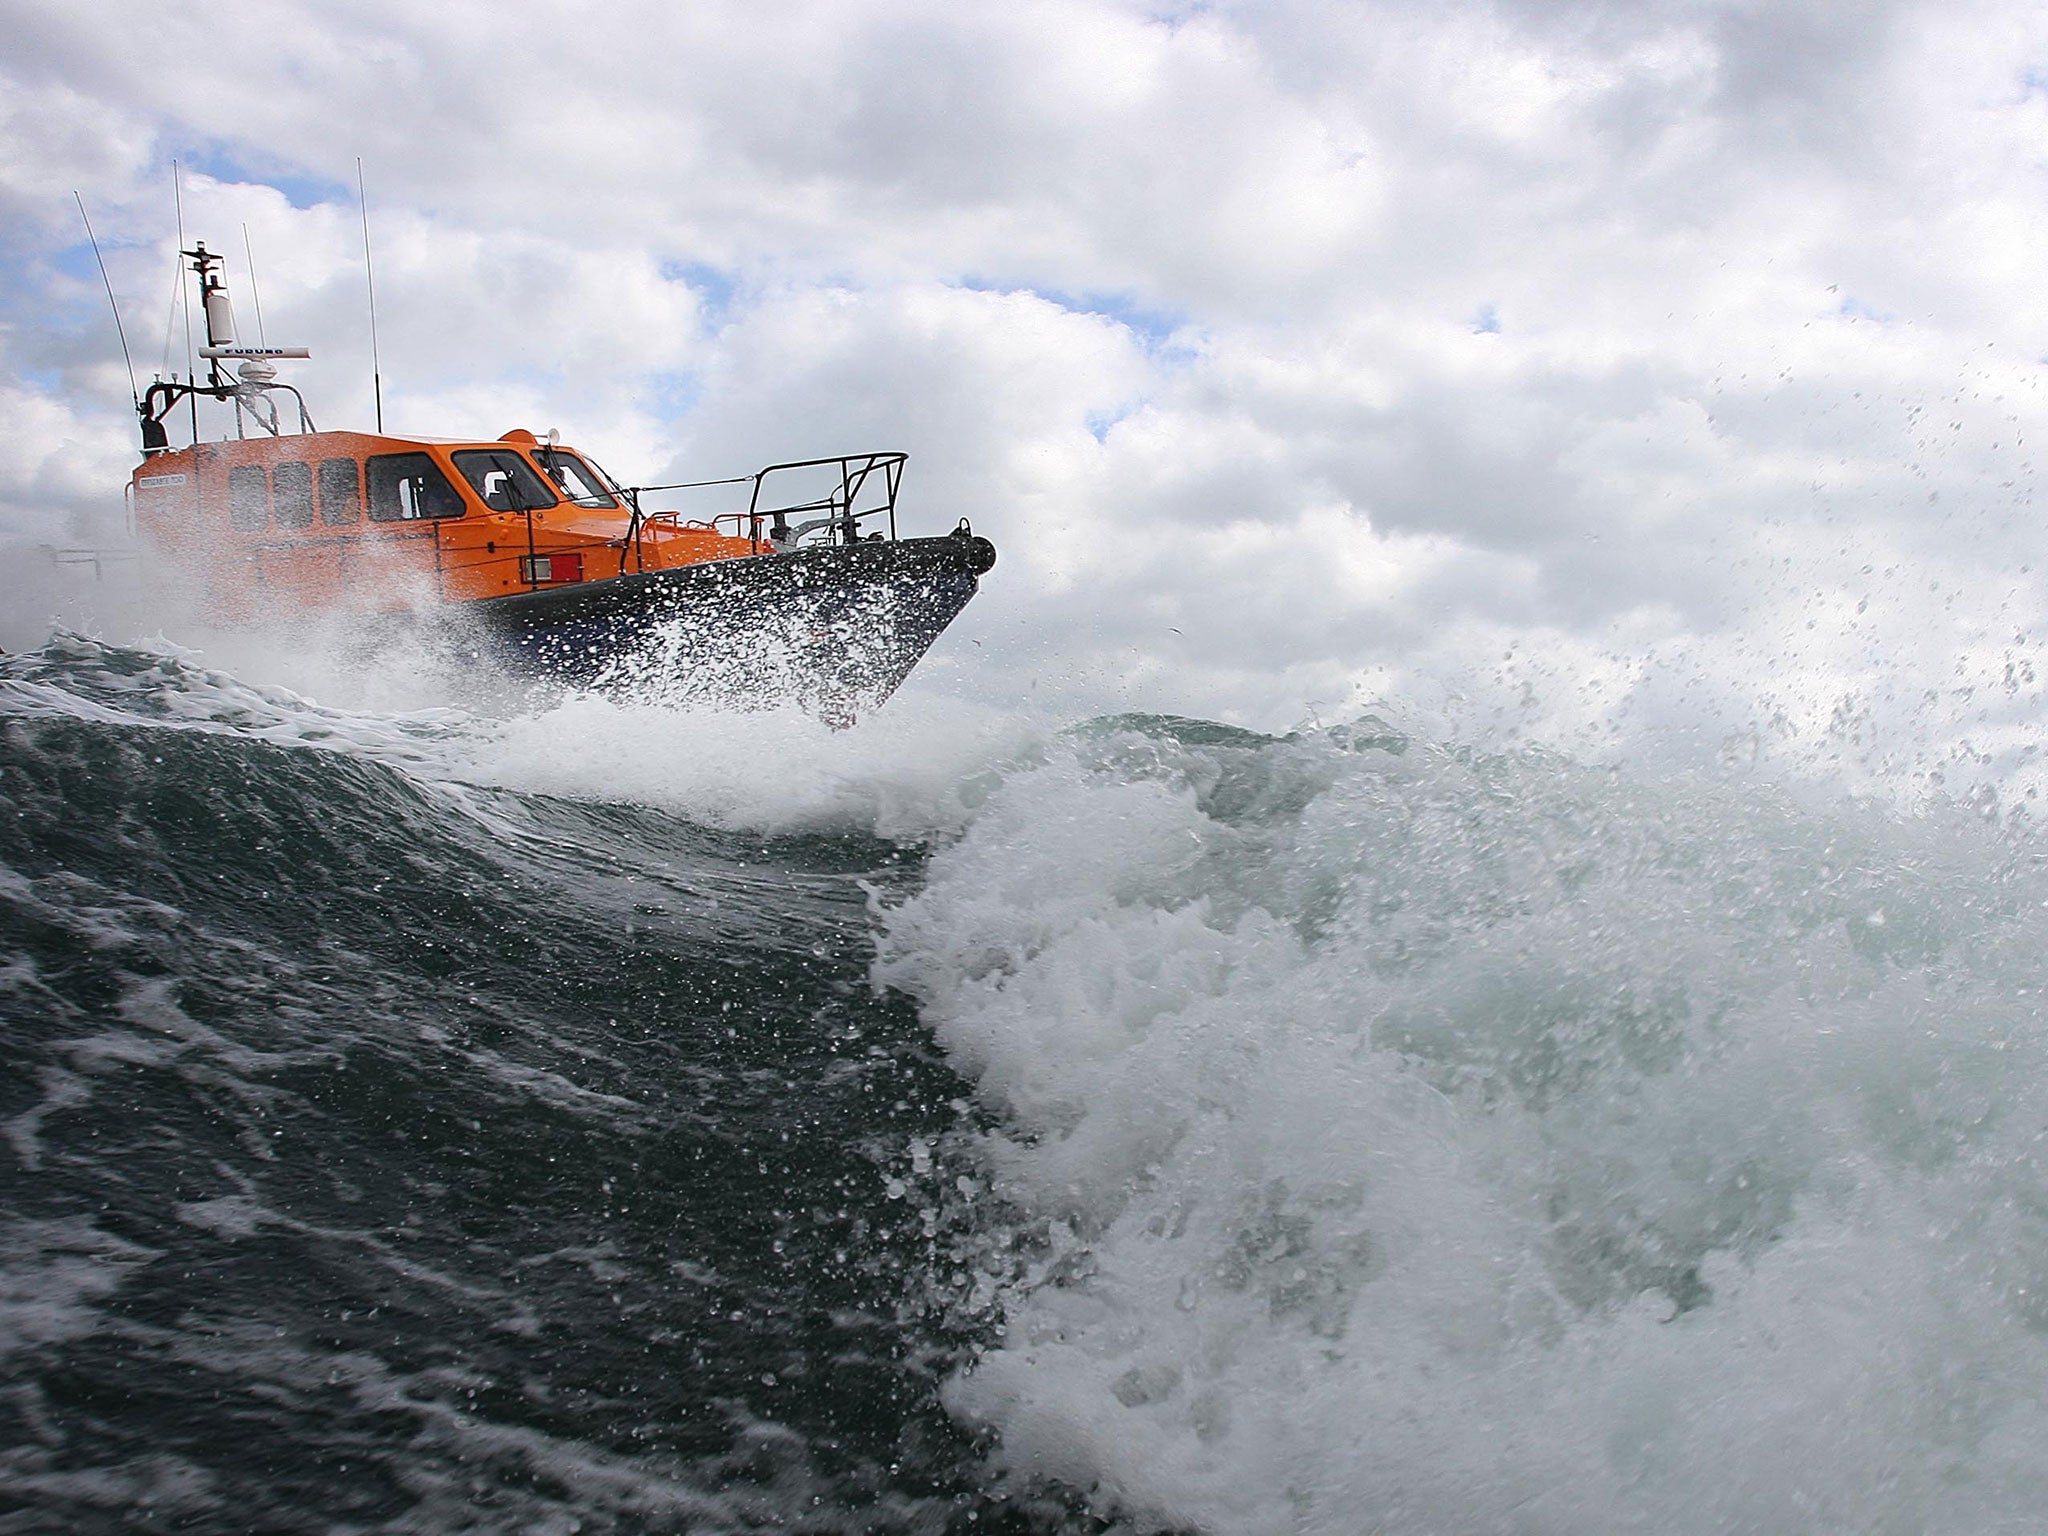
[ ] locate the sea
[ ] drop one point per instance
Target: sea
(553, 1114)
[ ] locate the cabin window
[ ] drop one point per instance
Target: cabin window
(577, 480)
(503, 480)
(248, 498)
(291, 494)
(405, 487)
(341, 492)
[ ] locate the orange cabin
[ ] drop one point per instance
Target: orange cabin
(364, 523)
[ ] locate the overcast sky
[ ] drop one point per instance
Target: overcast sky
(1603, 370)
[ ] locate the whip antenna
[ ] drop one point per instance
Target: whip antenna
(370, 282)
(185, 301)
(255, 293)
(119, 329)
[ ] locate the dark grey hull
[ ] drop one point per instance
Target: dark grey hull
(835, 627)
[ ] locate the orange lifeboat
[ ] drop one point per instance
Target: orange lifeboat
(536, 554)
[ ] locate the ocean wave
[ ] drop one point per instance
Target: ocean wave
(391, 1142)
(1432, 1141)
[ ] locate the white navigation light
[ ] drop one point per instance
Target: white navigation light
(220, 317)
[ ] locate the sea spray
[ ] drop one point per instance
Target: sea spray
(1429, 1141)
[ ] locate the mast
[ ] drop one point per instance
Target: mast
(250, 386)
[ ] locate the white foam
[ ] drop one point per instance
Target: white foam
(167, 685)
(52, 1273)
(904, 774)
(916, 767)
(1451, 1145)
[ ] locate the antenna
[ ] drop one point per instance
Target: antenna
(119, 330)
(370, 282)
(171, 314)
(191, 371)
(255, 294)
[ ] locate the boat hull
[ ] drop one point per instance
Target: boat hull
(836, 627)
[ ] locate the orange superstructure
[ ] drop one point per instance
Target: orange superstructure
(359, 522)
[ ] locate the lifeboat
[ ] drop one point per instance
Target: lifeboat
(523, 550)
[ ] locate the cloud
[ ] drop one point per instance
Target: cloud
(1286, 350)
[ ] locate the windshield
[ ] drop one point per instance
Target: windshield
(576, 479)
(504, 480)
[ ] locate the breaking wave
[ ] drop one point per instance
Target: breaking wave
(1421, 1141)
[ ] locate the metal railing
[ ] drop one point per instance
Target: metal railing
(833, 498)
(127, 562)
